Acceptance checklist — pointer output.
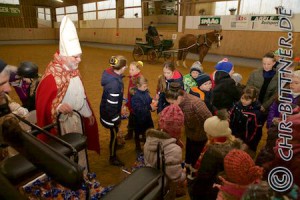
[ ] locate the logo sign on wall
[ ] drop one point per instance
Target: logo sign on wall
(9, 10)
(263, 22)
(204, 21)
(239, 22)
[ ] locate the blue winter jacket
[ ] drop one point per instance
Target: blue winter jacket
(112, 97)
(141, 102)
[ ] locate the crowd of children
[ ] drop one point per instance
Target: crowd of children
(222, 118)
(223, 123)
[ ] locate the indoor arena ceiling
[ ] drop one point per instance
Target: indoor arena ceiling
(63, 3)
(54, 3)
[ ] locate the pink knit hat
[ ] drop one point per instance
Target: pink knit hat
(240, 168)
(171, 120)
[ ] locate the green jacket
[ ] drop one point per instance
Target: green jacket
(188, 82)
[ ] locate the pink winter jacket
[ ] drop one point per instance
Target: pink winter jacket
(173, 154)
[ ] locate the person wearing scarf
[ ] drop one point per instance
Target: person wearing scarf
(265, 80)
(61, 89)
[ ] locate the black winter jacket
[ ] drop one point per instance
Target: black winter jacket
(112, 97)
(225, 93)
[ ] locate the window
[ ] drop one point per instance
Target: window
(250, 7)
(132, 9)
(106, 9)
(89, 16)
(89, 11)
(104, 5)
(15, 2)
(107, 14)
(222, 7)
(44, 13)
(71, 11)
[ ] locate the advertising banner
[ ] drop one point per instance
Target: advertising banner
(263, 22)
(9, 10)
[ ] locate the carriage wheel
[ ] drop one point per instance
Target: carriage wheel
(137, 53)
(168, 56)
(152, 56)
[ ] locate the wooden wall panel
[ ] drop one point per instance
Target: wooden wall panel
(248, 44)
(27, 34)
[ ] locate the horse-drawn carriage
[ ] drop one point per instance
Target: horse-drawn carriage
(154, 48)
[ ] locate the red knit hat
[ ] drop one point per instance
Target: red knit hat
(171, 120)
(240, 168)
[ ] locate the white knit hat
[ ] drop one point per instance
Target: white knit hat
(217, 126)
(69, 43)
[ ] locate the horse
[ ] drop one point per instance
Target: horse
(197, 44)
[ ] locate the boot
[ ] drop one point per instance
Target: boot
(129, 135)
(113, 160)
(138, 148)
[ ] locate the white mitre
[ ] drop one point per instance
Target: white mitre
(68, 43)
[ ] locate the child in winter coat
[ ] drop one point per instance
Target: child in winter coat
(189, 80)
(170, 123)
(245, 118)
(195, 113)
(210, 162)
(142, 106)
(274, 116)
(111, 102)
(170, 75)
(25, 81)
(240, 171)
(203, 90)
(225, 92)
(134, 73)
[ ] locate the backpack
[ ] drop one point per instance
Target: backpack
(243, 124)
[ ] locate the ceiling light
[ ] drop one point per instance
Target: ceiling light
(61, 1)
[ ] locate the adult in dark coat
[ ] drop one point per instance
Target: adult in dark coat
(152, 31)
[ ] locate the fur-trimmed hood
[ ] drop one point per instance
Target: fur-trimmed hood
(155, 136)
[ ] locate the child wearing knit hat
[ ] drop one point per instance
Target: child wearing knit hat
(225, 66)
(171, 121)
(203, 90)
(211, 161)
(189, 80)
(240, 172)
(225, 91)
